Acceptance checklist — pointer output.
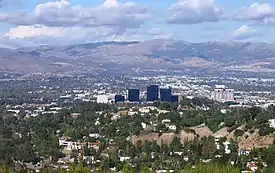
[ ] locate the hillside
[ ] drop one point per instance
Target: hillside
(163, 54)
(247, 141)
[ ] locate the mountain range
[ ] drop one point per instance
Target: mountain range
(159, 54)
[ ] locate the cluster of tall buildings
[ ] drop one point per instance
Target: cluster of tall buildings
(154, 93)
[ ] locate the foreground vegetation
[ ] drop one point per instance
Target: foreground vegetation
(35, 139)
(207, 168)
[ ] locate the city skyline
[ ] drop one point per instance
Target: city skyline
(74, 118)
(40, 22)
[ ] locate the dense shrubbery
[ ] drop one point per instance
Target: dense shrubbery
(208, 168)
(27, 139)
(200, 168)
(265, 130)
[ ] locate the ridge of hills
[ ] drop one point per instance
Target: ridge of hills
(248, 140)
(151, 54)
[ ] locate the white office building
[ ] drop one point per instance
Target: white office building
(102, 99)
(223, 94)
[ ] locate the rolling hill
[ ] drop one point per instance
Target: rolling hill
(129, 56)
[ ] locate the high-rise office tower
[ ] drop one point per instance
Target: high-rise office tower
(165, 94)
(152, 93)
(221, 93)
(133, 95)
(174, 98)
(119, 98)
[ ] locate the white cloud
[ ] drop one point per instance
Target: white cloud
(257, 12)
(194, 11)
(155, 31)
(244, 32)
(63, 14)
(110, 2)
(4, 3)
(40, 9)
(64, 22)
(39, 34)
(34, 31)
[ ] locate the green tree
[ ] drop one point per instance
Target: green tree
(127, 168)
(233, 146)
(104, 166)
(4, 169)
(175, 145)
(78, 169)
(155, 147)
(208, 147)
(161, 128)
(145, 169)
(147, 147)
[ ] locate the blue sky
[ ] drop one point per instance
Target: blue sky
(32, 22)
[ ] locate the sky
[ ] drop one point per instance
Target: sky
(34, 22)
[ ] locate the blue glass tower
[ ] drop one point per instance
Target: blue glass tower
(133, 95)
(175, 98)
(119, 98)
(152, 93)
(165, 94)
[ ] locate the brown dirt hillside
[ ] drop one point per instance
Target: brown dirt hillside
(186, 136)
(247, 140)
(253, 140)
(167, 138)
(144, 137)
(202, 131)
(223, 132)
(164, 138)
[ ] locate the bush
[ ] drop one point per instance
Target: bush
(233, 128)
(264, 131)
(188, 130)
(247, 127)
(238, 133)
(251, 131)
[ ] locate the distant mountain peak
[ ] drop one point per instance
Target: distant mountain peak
(161, 53)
